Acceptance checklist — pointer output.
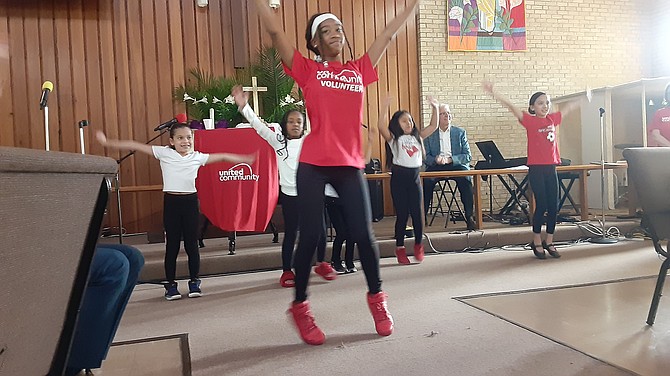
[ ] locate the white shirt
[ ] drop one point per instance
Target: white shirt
(407, 151)
(445, 142)
(179, 172)
(287, 158)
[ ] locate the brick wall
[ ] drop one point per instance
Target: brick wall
(570, 44)
(658, 13)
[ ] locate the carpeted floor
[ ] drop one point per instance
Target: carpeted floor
(603, 320)
(239, 327)
(159, 356)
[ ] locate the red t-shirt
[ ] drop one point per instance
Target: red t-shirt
(542, 142)
(662, 123)
(334, 100)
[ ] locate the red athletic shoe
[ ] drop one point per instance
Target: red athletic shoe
(304, 322)
(401, 255)
(380, 313)
(326, 271)
(418, 252)
(287, 279)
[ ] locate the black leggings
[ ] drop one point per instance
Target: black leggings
(353, 191)
(289, 206)
(406, 194)
(336, 215)
(180, 219)
(544, 183)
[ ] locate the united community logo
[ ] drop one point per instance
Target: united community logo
(240, 171)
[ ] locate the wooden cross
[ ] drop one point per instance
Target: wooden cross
(254, 89)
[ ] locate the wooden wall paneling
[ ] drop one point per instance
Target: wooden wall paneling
(189, 36)
(164, 66)
(79, 76)
(61, 100)
(95, 92)
(166, 110)
(6, 92)
(216, 40)
(370, 33)
(412, 64)
(122, 127)
(397, 58)
(255, 34)
(34, 81)
(288, 11)
(239, 12)
(152, 97)
(299, 19)
(227, 46)
(47, 64)
(18, 79)
(202, 30)
(138, 107)
(176, 40)
(108, 87)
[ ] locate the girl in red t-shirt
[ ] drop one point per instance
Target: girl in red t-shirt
(543, 157)
(331, 153)
(659, 130)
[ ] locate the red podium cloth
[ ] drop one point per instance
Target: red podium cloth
(236, 196)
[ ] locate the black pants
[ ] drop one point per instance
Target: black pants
(544, 183)
(180, 219)
(289, 206)
(336, 214)
(353, 191)
(406, 194)
(463, 183)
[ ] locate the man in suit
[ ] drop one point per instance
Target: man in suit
(448, 150)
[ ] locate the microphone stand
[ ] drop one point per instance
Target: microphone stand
(117, 182)
(603, 239)
(46, 126)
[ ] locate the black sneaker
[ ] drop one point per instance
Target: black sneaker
(171, 291)
(470, 222)
(339, 267)
(194, 288)
(351, 269)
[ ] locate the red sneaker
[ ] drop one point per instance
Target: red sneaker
(380, 313)
(418, 252)
(326, 271)
(401, 255)
(287, 279)
(304, 322)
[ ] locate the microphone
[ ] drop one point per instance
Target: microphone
(602, 111)
(179, 118)
(47, 86)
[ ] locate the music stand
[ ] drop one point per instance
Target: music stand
(490, 151)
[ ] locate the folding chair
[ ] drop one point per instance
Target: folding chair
(446, 195)
(649, 173)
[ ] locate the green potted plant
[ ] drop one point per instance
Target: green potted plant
(205, 92)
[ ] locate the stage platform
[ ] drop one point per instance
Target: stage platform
(258, 252)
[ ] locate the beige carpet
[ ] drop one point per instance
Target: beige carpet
(158, 356)
(239, 327)
(603, 320)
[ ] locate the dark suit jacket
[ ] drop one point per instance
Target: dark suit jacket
(460, 149)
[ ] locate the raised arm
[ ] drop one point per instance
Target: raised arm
(232, 158)
(383, 120)
(123, 144)
(273, 26)
(242, 101)
(382, 41)
(432, 127)
(516, 111)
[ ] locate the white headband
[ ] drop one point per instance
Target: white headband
(320, 18)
